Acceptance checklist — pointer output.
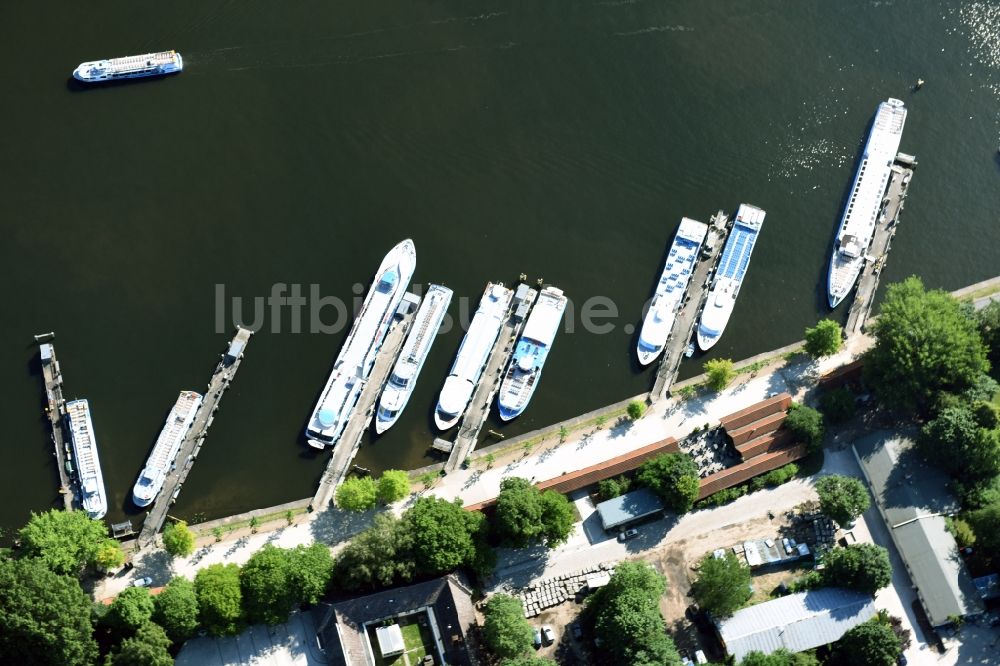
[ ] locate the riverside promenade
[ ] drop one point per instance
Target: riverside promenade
(222, 377)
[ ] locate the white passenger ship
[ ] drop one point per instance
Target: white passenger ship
(472, 355)
(861, 213)
(357, 357)
(129, 67)
(165, 450)
(93, 496)
(670, 289)
(411, 359)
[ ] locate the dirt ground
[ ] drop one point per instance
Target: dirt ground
(565, 649)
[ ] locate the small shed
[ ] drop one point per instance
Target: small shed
(629, 508)
(390, 640)
(46, 352)
(235, 350)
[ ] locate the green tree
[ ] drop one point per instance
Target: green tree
(442, 533)
(219, 598)
(393, 486)
(924, 343)
(130, 610)
(823, 339)
(613, 487)
(636, 409)
(720, 372)
(528, 661)
(985, 524)
(357, 493)
(65, 541)
(525, 515)
(870, 643)
(627, 618)
(988, 320)
(178, 539)
(506, 633)
(861, 566)
(44, 617)
(267, 593)
(838, 405)
(723, 585)
(175, 609)
(842, 498)
(955, 441)
(148, 647)
(378, 557)
(806, 424)
(674, 477)
(780, 657)
(309, 571)
(962, 531)
(109, 555)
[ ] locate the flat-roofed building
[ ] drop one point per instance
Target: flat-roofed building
(629, 508)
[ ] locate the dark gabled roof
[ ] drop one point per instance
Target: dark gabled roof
(341, 625)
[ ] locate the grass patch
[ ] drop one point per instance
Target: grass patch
(418, 641)
(980, 293)
(240, 524)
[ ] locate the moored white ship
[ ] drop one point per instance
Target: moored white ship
(467, 369)
(165, 450)
(357, 356)
(525, 369)
(864, 205)
(670, 289)
(129, 67)
(93, 495)
(411, 359)
(729, 275)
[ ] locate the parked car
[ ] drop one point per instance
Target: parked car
(628, 534)
(548, 636)
(145, 581)
(538, 638)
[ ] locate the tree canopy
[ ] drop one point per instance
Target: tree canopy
(219, 598)
(65, 541)
(309, 571)
(506, 633)
(526, 516)
(861, 566)
(268, 595)
(149, 647)
(393, 486)
(443, 534)
(838, 405)
(635, 409)
(109, 555)
(627, 617)
(956, 441)
(131, 609)
(44, 617)
(871, 643)
(378, 557)
(806, 424)
(720, 372)
(722, 586)
(842, 498)
(924, 343)
(175, 609)
(780, 657)
(178, 539)
(528, 661)
(674, 477)
(357, 493)
(988, 320)
(985, 523)
(823, 339)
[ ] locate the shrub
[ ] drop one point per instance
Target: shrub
(823, 339)
(393, 486)
(838, 405)
(720, 372)
(806, 424)
(357, 493)
(613, 487)
(636, 409)
(178, 539)
(962, 531)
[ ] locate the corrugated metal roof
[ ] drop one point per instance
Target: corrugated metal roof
(628, 507)
(797, 622)
(913, 498)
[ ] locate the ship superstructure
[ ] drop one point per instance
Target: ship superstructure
(729, 275)
(411, 359)
(467, 369)
(357, 356)
(865, 203)
(165, 450)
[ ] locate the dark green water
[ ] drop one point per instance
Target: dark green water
(563, 140)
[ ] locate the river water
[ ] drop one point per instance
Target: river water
(563, 140)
